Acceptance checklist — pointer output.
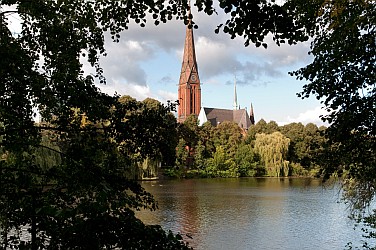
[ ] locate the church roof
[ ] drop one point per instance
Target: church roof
(216, 116)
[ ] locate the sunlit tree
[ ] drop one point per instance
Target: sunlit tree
(272, 149)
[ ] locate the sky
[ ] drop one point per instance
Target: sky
(147, 63)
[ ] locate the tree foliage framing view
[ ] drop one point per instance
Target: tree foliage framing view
(86, 200)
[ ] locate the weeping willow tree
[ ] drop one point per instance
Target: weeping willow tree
(148, 168)
(47, 155)
(272, 149)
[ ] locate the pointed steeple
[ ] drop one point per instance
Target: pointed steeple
(189, 64)
(189, 92)
(251, 115)
(235, 96)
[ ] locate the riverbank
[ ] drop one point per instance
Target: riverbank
(171, 173)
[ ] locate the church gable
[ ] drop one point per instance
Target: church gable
(216, 116)
(241, 118)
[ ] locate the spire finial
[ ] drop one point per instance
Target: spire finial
(189, 13)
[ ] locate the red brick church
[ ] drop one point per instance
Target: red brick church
(189, 94)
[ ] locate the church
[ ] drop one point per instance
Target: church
(189, 94)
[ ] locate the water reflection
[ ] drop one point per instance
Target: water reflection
(252, 213)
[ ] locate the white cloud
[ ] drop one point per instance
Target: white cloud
(309, 116)
(165, 96)
(214, 58)
(123, 61)
(283, 55)
(136, 91)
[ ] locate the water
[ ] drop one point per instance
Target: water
(252, 213)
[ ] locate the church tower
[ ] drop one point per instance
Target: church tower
(189, 92)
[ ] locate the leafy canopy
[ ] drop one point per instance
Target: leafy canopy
(342, 75)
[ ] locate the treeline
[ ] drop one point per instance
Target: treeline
(189, 150)
(266, 149)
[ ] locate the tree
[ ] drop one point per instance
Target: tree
(262, 127)
(206, 137)
(85, 201)
(228, 135)
(254, 20)
(219, 159)
(182, 154)
(189, 131)
(246, 160)
(151, 122)
(188, 139)
(305, 144)
(199, 157)
(221, 165)
(344, 38)
(272, 149)
(259, 127)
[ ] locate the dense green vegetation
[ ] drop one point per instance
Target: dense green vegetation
(189, 150)
(266, 149)
(46, 190)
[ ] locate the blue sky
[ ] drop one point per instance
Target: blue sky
(147, 61)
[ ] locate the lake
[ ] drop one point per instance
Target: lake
(252, 213)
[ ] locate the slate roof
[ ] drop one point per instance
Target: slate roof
(216, 116)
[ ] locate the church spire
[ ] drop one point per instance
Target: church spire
(235, 96)
(189, 92)
(251, 115)
(189, 64)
